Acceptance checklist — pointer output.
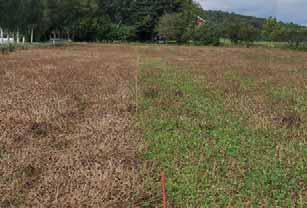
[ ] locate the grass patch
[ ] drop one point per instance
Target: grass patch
(296, 100)
(3, 153)
(246, 83)
(211, 157)
(283, 94)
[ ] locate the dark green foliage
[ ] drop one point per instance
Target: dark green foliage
(173, 27)
(279, 32)
(122, 33)
(272, 30)
(242, 32)
(231, 32)
(295, 37)
(207, 35)
(139, 20)
(87, 20)
(223, 19)
(248, 33)
(239, 28)
(146, 14)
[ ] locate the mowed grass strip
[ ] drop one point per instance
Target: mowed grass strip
(211, 156)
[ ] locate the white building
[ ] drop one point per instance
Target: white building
(4, 38)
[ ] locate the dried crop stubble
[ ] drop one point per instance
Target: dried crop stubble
(66, 133)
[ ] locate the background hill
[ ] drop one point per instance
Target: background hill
(224, 18)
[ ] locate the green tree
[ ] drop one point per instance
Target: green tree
(242, 32)
(34, 16)
(272, 29)
(248, 33)
(296, 36)
(207, 35)
(147, 13)
(232, 32)
(173, 27)
(4, 14)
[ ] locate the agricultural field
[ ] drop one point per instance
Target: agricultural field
(92, 125)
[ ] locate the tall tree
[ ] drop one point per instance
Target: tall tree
(172, 27)
(271, 29)
(146, 14)
(34, 15)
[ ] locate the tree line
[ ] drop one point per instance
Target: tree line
(86, 20)
(229, 26)
(270, 30)
(138, 20)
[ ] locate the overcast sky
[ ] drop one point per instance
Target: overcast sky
(285, 10)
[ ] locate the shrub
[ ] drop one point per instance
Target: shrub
(8, 48)
(207, 35)
(173, 27)
(242, 32)
(122, 33)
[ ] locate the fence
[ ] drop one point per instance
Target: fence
(6, 40)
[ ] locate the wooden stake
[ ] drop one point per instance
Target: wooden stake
(164, 194)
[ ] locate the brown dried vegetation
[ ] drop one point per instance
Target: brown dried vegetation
(66, 134)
